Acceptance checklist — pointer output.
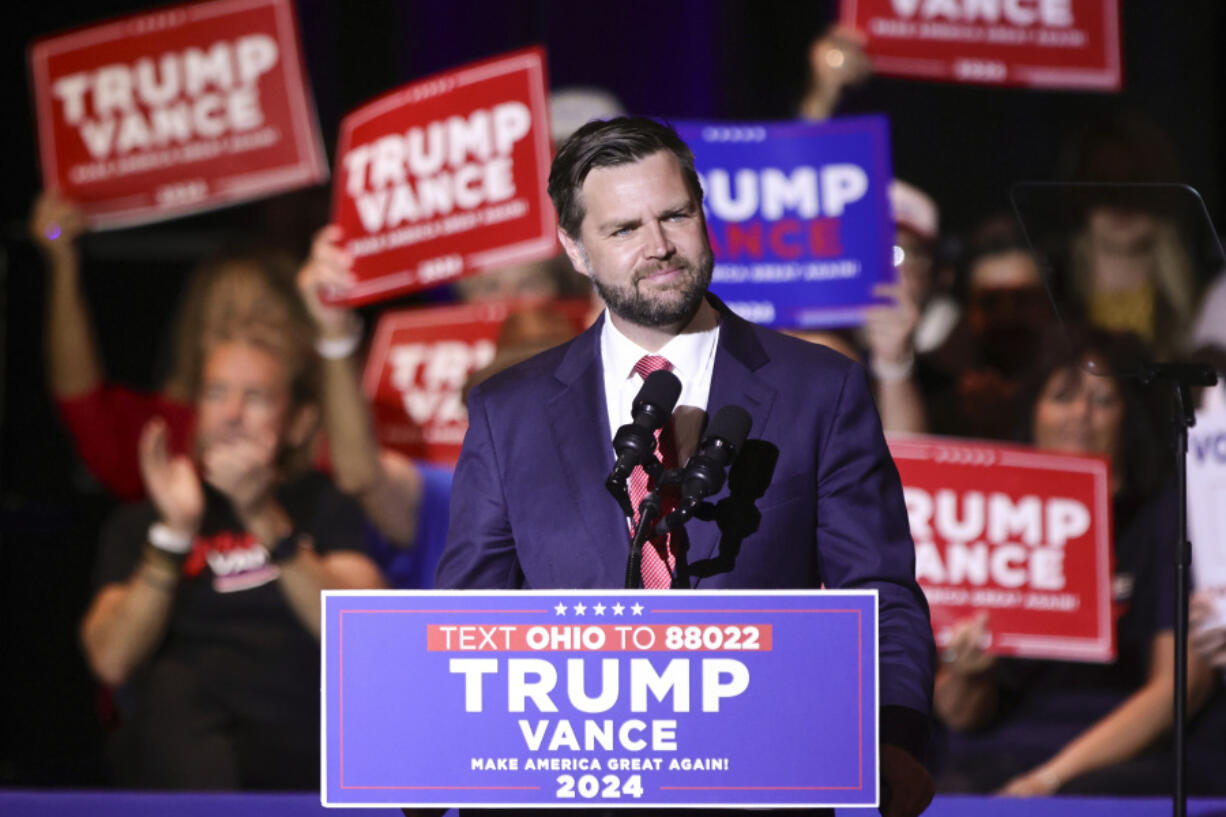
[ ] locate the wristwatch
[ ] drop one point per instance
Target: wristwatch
(285, 548)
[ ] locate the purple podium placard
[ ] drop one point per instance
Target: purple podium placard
(584, 697)
(798, 216)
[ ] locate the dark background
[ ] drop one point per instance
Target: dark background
(736, 59)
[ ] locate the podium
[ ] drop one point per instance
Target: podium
(579, 698)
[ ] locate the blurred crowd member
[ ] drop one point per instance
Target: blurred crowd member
(525, 332)
(207, 613)
(1128, 267)
(1040, 727)
(916, 230)
(573, 106)
(836, 62)
(972, 380)
(104, 418)
(543, 280)
(918, 318)
(891, 332)
(406, 500)
(1132, 273)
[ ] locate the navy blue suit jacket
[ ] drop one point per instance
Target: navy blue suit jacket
(813, 498)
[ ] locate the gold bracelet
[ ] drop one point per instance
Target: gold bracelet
(149, 575)
(156, 559)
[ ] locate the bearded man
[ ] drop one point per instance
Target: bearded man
(813, 499)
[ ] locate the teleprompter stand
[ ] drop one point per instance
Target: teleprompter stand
(1179, 379)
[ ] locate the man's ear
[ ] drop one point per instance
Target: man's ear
(302, 425)
(574, 252)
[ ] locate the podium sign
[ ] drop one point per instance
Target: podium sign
(610, 698)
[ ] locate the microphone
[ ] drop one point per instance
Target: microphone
(635, 442)
(705, 472)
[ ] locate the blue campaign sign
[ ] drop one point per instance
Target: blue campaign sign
(798, 216)
(622, 698)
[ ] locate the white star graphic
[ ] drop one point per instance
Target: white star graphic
(560, 609)
(579, 608)
(637, 609)
(618, 609)
(598, 609)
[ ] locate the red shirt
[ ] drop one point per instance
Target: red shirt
(105, 426)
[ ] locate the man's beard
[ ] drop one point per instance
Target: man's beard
(674, 306)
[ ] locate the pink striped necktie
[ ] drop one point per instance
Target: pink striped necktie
(659, 561)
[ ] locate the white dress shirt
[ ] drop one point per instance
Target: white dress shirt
(693, 357)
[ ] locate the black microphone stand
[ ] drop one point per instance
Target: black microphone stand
(1179, 378)
(617, 488)
(649, 509)
(649, 513)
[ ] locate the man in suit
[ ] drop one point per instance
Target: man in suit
(813, 499)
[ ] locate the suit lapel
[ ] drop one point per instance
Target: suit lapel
(580, 424)
(734, 382)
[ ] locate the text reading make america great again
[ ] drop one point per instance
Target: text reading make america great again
(566, 698)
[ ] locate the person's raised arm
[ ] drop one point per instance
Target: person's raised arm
(889, 332)
(126, 622)
(73, 364)
(1125, 732)
(388, 486)
(836, 62)
(307, 574)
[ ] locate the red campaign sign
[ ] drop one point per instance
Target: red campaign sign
(447, 177)
(1022, 534)
(180, 110)
(418, 364)
(1071, 44)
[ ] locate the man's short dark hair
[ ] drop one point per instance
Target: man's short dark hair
(620, 141)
